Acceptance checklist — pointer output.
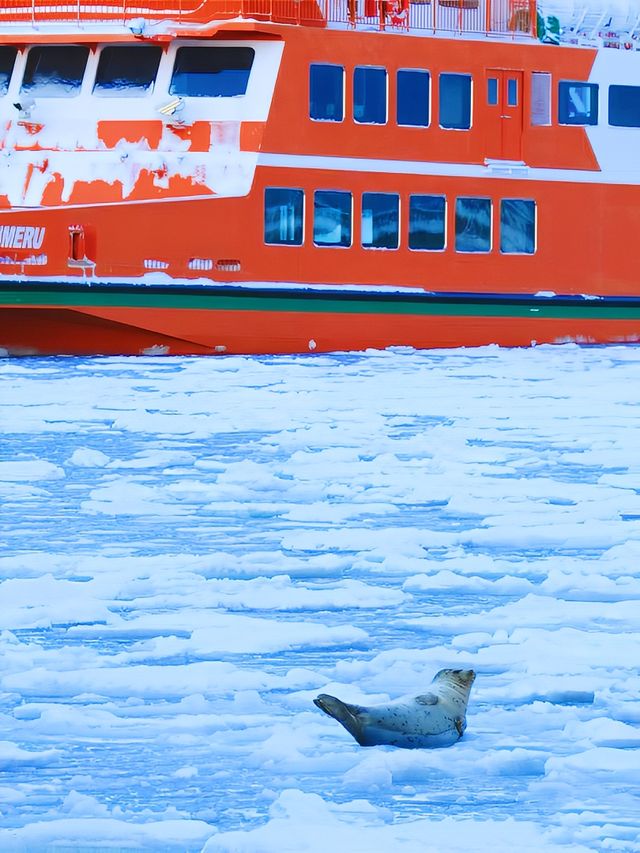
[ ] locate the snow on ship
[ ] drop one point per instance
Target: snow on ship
(284, 176)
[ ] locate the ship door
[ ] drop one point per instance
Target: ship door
(504, 113)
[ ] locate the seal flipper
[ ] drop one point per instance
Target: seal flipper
(347, 715)
(427, 699)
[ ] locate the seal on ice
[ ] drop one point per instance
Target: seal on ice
(436, 718)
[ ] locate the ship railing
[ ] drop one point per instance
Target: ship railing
(500, 17)
(123, 12)
(512, 17)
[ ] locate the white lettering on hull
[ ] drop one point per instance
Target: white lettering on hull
(21, 237)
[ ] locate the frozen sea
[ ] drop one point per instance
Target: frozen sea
(192, 549)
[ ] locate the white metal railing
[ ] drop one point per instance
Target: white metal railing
(473, 16)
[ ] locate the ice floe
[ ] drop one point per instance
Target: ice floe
(193, 549)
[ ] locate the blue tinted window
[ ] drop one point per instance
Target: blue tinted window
(283, 210)
(492, 91)
(127, 71)
(455, 101)
(624, 106)
(7, 61)
(512, 92)
(211, 72)
(517, 226)
(413, 98)
(55, 71)
(473, 225)
(370, 95)
(326, 92)
(427, 222)
(332, 218)
(380, 220)
(577, 103)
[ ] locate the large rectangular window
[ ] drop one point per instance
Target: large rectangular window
(380, 220)
(370, 95)
(332, 215)
(577, 103)
(473, 224)
(127, 71)
(455, 101)
(624, 106)
(412, 97)
(427, 222)
(211, 72)
(540, 98)
(7, 61)
(517, 226)
(326, 92)
(283, 216)
(55, 71)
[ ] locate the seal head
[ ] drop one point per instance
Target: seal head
(432, 719)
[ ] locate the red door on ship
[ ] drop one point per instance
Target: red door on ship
(504, 112)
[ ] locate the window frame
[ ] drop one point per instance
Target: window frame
(617, 87)
(563, 100)
(541, 101)
(210, 47)
(339, 245)
(342, 93)
(416, 72)
(458, 234)
(16, 52)
(33, 90)
(299, 193)
(364, 69)
(371, 246)
(524, 254)
(140, 93)
(448, 75)
(445, 229)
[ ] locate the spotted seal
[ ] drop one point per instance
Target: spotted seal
(436, 718)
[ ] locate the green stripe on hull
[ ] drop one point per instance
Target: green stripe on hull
(314, 304)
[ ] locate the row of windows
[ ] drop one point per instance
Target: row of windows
(57, 71)
(380, 221)
(577, 102)
(370, 100)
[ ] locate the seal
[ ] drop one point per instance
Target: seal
(436, 718)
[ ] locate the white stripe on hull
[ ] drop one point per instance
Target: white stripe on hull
(494, 169)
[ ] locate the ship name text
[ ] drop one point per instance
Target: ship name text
(21, 237)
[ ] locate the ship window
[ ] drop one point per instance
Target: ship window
(55, 71)
(413, 97)
(332, 216)
(540, 98)
(492, 91)
(517, 226)
(326, 92)
(624, 106)
(127, 71)
(473, 224)
(577, 103)
(455, 101)
(380, 220)
(427, 222)
(211, 72)
(370, 95)
(283, 209)
(512, 92)
(7, 61)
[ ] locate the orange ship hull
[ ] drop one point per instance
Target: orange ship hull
(116, 321)
(149, 226)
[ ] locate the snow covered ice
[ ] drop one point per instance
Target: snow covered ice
(192, 549)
